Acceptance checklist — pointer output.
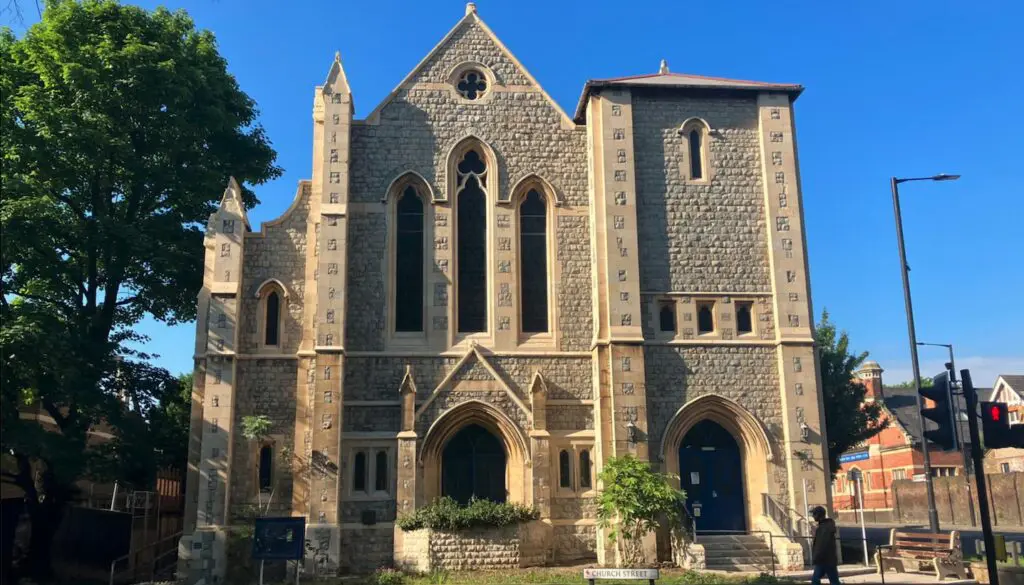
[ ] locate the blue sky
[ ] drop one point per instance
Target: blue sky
(909, 88)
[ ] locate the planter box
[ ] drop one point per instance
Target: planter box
(1008, 574)
(507, 547)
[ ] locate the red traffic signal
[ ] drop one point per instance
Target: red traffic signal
(995, 425)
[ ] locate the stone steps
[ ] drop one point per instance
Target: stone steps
(736, 552)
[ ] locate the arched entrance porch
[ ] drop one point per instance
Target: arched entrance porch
(729, 449)
(475, 449)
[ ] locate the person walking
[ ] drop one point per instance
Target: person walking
(823, 549)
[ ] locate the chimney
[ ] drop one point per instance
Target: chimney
(870, 375)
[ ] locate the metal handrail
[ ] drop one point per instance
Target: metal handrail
(152, 562)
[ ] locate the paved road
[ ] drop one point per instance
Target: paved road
(851, 537)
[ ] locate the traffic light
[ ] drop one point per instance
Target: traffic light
(995, 425)
(941, 413)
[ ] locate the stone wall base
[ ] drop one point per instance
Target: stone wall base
(203, 555)
(507, 547)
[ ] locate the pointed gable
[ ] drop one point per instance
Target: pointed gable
(469, 41)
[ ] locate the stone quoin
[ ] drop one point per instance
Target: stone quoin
(479, 294)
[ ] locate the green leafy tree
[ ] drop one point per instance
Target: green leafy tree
(118, 130)
(633, 502)
(849, 420)
(925, 383)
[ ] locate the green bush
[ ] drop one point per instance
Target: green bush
(446, 514)
(388, 576)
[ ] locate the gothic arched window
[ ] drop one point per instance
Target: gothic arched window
(409, 262)
(585, 477)
(533, 271)
(359, 472)
(266, 468)
(380, 478)
(272, 319)
(696, 154)
(471, 249)
(564, 469)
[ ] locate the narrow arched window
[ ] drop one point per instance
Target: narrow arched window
(744, 324)
(380, 477)
(564, 469)
(472, 243)
(359, 472)
(533, 271)
(585, 478)
(272, 319)
(667, 317)
(705, 318)
(696, 154)
(409, 262)
(266, 472)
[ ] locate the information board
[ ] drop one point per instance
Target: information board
(279, 538)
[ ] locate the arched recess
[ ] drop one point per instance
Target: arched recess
(528, 270)
(455, 153)
(495, 422)
(756, 450)
(408, 184)
(696, 148)
(271, 315)
(472, 178)
(530, 181)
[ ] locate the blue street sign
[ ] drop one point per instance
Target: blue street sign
(851, 457)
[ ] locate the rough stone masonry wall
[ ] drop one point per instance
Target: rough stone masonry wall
(706, 237)
(678, 374)
(278, 252)
(506, 547)
(416, 131)
(268, 387)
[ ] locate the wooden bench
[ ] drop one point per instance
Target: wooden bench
(919, 550)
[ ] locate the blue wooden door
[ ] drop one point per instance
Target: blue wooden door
(711, 473)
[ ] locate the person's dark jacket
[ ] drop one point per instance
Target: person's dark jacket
(823, 551)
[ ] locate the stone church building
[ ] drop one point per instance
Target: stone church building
(479, 294)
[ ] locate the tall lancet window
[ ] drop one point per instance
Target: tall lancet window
(533, 270)
(272, 319)
(409, 262)
(696, 154)
(472, 243)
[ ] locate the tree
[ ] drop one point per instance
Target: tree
(849, 420)
(633, 500)
(925, 383)
(118, 130)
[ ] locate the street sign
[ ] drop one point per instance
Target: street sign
(851, 457)
(279, 538)
(638, 574)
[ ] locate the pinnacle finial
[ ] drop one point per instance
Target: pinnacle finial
(337, 55)
(470, 7)
(663, 69)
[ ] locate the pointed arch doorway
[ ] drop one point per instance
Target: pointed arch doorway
(711, 473)
(473, 465)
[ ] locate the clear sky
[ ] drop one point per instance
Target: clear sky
(902, 87)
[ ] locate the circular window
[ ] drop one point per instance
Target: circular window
(472, 84)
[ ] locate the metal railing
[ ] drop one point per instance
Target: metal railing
(155, 562)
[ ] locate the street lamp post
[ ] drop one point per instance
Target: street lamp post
(957, 427)
(933, 515)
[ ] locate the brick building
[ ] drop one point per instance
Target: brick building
(895, 453)
(478, 294)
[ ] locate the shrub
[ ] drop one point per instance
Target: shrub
(632, 501)
(388, 576)
(446, 514)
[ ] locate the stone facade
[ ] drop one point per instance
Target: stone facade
(676, 292)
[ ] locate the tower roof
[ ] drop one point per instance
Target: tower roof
(665, 78)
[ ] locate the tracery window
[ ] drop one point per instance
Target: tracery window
(471, 203)
(472, 84)
(533, 281)
(409, 262)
